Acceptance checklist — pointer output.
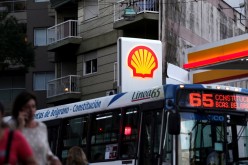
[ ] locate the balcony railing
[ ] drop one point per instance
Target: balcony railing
(13, 6)
(63, 85)
(142, 6)
(64, 30)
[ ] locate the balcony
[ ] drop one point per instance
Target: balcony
(60, 3)
(65, 89)
(8, 95)
(147, 13)
(63, 36)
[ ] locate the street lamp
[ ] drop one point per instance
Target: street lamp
(129, 13)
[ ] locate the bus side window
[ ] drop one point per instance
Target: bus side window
(129, 133)
(53, 129)
(104, 136)
(74, 133)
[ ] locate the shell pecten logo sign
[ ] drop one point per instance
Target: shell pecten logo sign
(143, 62)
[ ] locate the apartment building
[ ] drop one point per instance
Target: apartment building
(12, 78)
(84, 38)
(38, 20)
(15, 79)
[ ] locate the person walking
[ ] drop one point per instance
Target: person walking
(14, 148)
(23, 112)
(76, 156)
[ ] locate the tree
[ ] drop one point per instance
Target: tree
(14, 48)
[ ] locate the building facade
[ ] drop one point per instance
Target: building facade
(12, 78)
(84, 38)
(34, 14)
(195, 23)
(38, 20)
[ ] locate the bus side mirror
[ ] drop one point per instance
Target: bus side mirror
(174, 123)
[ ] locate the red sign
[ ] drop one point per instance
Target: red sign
(143, 61)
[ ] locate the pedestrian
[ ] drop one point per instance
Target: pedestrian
(23, 112)
(76, 156)
(14, 149)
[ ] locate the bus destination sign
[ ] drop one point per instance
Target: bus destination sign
(213, 100)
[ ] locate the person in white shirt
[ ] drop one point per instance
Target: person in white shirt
(23, 112)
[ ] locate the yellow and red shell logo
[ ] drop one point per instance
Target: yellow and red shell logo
(143, 61)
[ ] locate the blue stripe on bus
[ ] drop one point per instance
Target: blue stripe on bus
(116, 97)
(244, 90)
(195, 86)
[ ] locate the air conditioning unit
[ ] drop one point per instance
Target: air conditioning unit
(110, 92)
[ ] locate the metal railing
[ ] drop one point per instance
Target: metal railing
(141, 6)
(63, 85)
(7, 95)
(13, 6)
(240, 83)
(64, 30)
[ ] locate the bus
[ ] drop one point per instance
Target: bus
(191, 124)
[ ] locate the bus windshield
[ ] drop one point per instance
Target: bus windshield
(213, 139)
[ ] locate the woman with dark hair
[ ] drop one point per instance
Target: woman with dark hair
(14, 148)
(23, 112)
(76, 156)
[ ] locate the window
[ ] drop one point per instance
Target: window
(150, 135)
(74, 134)
(40, 37)
(90, 62)
(90, 9)
(129, 133)
(91, 66)
(40, 80)
(200, 133)
(53, 130)
(104, 138)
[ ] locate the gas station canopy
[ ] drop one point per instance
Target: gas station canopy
(223, 60)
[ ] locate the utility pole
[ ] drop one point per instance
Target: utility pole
(161, 30)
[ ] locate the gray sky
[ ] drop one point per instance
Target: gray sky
(235, 3)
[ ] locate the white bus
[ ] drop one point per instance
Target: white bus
(166, 125)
